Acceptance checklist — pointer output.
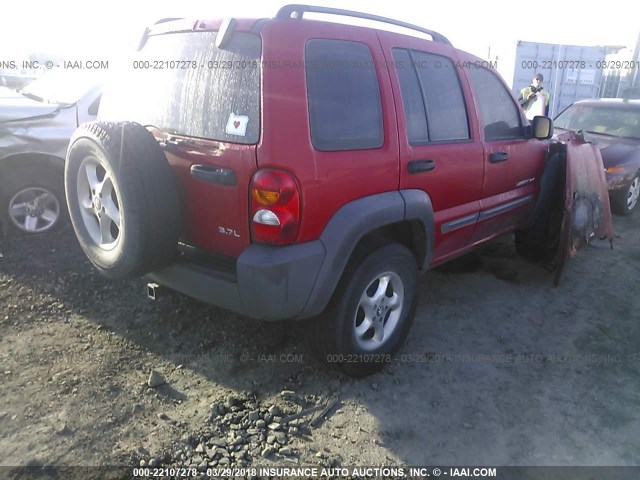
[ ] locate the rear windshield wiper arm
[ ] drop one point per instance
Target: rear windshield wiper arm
(32, 96)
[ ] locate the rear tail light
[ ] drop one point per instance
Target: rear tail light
(275, 207)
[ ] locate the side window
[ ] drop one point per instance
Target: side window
(432, 97)
(412, 101)
(498, 110)
(344, 97)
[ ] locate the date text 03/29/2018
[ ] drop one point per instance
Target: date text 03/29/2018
(580, 64)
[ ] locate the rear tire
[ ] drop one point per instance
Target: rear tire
(370, 313)
(625, 202)
(122, 198)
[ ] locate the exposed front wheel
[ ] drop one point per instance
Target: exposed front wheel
(370, 313)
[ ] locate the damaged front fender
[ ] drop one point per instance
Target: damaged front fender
(572, 208)
(587, 213)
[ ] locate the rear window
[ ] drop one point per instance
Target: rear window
(344, 98)
(182, 83)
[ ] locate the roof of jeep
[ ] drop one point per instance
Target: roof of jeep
(292, 13)
(175, 25)
(243, 24)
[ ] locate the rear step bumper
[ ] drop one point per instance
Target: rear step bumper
(297, 281)
(271, 283)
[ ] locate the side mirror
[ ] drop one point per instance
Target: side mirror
(542, 128)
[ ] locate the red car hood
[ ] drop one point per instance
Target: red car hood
(615, 150)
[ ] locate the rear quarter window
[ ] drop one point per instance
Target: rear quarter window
(345, 111)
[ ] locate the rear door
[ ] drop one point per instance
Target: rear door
(203, 105)
(439, 146)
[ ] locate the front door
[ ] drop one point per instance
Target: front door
(512, 161)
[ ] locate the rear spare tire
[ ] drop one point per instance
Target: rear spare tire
(122, 198)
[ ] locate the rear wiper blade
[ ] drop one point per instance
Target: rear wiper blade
(32, 96)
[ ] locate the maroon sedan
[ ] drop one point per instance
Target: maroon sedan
(614, 125)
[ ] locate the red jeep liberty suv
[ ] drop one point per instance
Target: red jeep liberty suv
(289, 168)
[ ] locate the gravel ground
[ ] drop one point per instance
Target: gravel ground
(500, 368)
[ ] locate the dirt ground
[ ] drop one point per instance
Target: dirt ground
(500, 368)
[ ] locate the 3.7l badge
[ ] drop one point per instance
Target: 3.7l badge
(228, 231)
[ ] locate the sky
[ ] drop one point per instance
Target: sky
(76, 30)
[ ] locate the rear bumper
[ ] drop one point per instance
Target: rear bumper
(298, 281)
(271, 283)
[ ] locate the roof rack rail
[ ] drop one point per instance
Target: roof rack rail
(297, 11)
(170, 19)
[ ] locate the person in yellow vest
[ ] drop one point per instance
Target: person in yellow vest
(534, 100)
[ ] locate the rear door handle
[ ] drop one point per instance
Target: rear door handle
(213, 174)
(498, 157)
(418, 166)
